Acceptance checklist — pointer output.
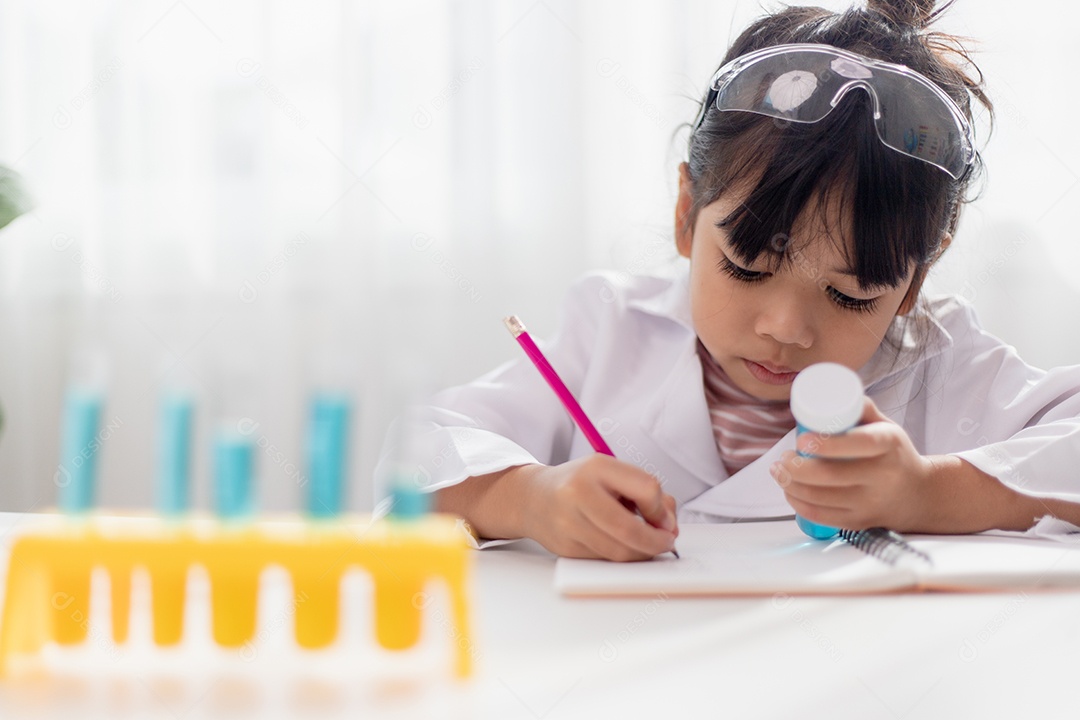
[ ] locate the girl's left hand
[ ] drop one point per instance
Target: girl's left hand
(870, 476)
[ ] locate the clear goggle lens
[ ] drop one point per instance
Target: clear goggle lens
(804, 82)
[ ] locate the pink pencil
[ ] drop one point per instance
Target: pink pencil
(517, 329)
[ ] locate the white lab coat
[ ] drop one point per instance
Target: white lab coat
(627, 350)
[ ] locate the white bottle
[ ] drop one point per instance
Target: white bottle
(826, 398)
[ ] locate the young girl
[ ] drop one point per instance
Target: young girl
(821, 185)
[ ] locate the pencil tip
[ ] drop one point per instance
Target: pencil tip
(675, 553)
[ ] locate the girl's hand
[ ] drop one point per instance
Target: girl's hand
(867, 477)
(575, 510)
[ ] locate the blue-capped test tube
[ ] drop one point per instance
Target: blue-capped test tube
(174, 453)
(327, 459)
(76, 475)
(826, 398)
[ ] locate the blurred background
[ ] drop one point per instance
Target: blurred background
(253, 200)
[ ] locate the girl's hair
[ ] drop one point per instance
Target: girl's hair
(899, 208)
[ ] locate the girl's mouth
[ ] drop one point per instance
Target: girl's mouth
(767, 376)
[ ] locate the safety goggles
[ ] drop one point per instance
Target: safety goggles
(803, 82)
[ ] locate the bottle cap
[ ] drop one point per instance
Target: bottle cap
(827, 398)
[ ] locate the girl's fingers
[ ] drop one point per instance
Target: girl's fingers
(833, 517)
(639, 487)
(860, 442)
(625, 528)
(669, 503)
(603, 545)
(875, 435)
(833, 498)
(608, 548)
(600, 501)
(821, 472)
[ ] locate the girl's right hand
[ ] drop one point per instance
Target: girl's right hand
(576, 509)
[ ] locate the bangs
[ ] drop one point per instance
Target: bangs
(875, 203)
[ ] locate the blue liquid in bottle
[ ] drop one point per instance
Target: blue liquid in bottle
(826, 398)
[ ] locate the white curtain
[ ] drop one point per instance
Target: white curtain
(256, 199)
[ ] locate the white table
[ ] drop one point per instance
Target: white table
(543, 656)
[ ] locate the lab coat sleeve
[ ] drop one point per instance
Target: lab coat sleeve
(1016, 422)
(506, 418)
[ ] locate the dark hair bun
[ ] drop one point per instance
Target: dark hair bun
(914, 13)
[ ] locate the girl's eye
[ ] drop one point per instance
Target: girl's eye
(856, 304)
(749, 276)
(739, 273)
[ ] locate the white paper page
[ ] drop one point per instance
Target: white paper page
(758, 558)
(988, 562)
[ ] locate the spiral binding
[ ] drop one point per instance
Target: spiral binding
(883, 544)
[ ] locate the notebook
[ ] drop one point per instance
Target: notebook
(764, 558)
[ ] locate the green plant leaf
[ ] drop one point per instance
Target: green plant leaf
(14, 199)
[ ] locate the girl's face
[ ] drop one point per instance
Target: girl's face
(762, 326)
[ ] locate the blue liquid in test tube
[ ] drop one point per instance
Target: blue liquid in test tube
(233, 470)
(76, 475)
(327, 439)
(409, 501)
(174, 454)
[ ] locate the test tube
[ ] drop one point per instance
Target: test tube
(235, 434)
(174, 453)
(408, 500)
(328, 433)
(234, 459)
(826, 398)
(76, 474)
(408, 477)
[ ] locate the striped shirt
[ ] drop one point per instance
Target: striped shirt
(744, 426)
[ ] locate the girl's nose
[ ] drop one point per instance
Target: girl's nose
(786, 320)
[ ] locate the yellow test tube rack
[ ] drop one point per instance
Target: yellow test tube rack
(48, 578)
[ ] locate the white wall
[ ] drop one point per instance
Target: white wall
(274, 195)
